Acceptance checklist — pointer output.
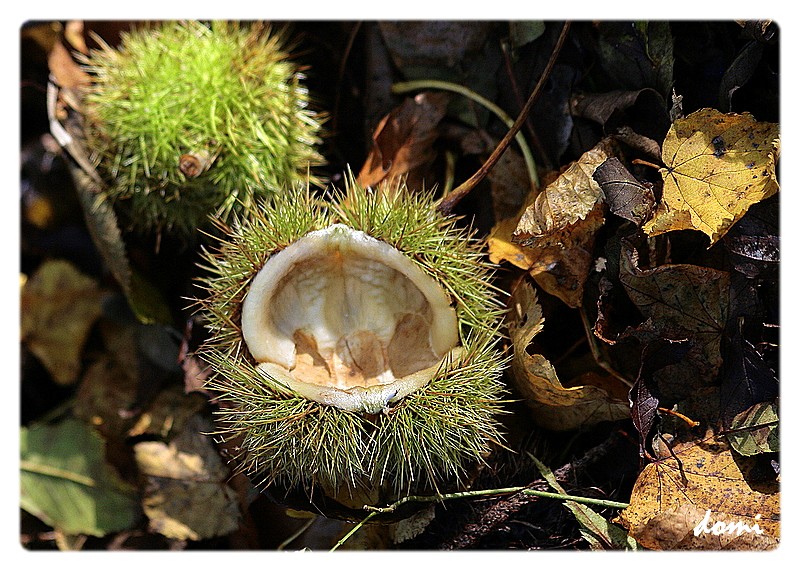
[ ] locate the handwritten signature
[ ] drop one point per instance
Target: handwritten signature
(720, 527)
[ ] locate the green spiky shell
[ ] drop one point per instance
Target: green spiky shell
(429, 439)
(224, 92)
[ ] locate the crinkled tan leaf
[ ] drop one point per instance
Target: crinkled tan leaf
(564, 202)
(66, 482)
(717, 166)
(670, 500)
(557, 231)
(58, 308)
(186, 495)
(554, 406)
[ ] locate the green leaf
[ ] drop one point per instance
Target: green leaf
(66, 482)
(600, 533)
(755, 430)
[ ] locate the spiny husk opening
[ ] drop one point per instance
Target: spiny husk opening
(429, 438)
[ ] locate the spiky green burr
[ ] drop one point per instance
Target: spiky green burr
(187, 121)
(426, 437)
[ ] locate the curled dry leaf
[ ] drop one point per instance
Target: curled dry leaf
(564, 203)
(402, 144)
(717, 166)
(554, 406)
(59, 306)
(678, 501)
(557, 231)
(626, 197)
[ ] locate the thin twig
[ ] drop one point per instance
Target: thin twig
(350, 40)
(448, 203)
(683, 417)
(496, 514)
(543, 157)
(524, 490)
(352, 531)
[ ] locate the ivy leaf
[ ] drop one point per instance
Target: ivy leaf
(67, 483)
(717, 166)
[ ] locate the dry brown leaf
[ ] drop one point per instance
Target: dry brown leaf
(557, 271)
(552, 217)
(186, 495)
(680, 302)
(402, 144)
(557, 231)
(59, 305)
(678, 506)
(717, 166)
(110, 388)
(554, 406)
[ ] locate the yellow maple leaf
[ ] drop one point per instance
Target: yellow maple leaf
(717, 166)
(700, 496)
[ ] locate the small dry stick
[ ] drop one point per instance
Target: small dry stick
(449, 202)
(683, 417)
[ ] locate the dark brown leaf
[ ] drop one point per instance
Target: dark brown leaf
(739, 73)
(642, 111)
(681, 302)
(626, 197)
(402, 144)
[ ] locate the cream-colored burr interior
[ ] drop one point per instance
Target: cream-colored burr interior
(347, 320)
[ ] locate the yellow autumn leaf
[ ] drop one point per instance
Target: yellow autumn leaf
(566, 202)
(554, 406)
(717, 166)
(699, 496)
